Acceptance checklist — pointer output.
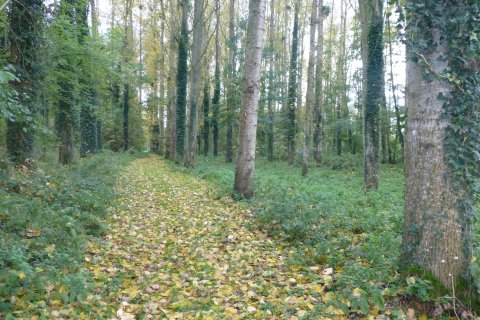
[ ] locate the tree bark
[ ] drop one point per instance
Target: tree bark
(374, 89)
(318, 108)
(248, 124)
(216, 90)
(310, 98)
(231, 83)
(182, 78)
(436, 232)
(195, 83)
(292, 91)
(271, 86)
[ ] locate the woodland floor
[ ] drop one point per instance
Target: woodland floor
(175, 251)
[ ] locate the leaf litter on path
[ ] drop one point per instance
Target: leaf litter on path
(174, 252)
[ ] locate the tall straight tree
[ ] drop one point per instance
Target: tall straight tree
(231, 91)
(24, 38)
(292, 90)
(442, 139)
(195, 84)
(206, 119)
(371, 12)
(216, 76)
(127, 57)
(310, 99)
(318, 108)
(271, 86)
(182, 78)
(251, 92)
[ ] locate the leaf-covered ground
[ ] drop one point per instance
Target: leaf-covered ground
(174, 251)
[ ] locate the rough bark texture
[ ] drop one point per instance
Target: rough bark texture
(310, 98)
(182, 82)
(24, 40)
(435, 232)
(318, 108)
(374, 89)
(248, 123)
(195, 84)
(171, 147)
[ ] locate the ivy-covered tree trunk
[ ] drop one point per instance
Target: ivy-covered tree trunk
(231, 92)
(318, 108)
(442, 139)
(310, 98)
(216, 76)
(292, 91)
(25, 20)
(374, 85)
(248, 123)
(182, 78)
(195, 84)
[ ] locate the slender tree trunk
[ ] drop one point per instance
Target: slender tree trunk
(172, 102)
(206, 119)
(216, 90)
(182, 82)
(232, 75)
(248, 123)
(310, 98)
(318, 108)
(374, 91)
(128, 38)
(292, 91)
(271, 86)
(195, 84)
(436, 230)
(395, 102)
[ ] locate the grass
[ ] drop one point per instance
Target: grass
(46, 216)
(332, 222)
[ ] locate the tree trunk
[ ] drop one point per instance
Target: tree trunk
(374, 90)
(231, 89)
(271, 87)
(437, 226)
(216, 90)
(206, 119)
(292, 91)
(24, 41)
(195, 83)
(172, 102)
(318, 108)
(182, 78)
(310, 98)
(248, 123)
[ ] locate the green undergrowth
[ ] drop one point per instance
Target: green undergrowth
(333, 223)
(46, 215)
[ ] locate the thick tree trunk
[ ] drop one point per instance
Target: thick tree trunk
(195, 84)
(248, 123)
(436, 231)
(292, 91)
(318, 108)
(310, 98)
(24, 41)
(374, 90)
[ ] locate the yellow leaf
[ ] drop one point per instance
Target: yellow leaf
(423, 316)
(357, 292)
(50, 248)
(22, 275)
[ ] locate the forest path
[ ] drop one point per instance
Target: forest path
(174, 251)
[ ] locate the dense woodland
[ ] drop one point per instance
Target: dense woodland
(336, 141)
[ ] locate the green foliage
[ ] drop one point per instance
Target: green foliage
(333, 223)
(45, 218)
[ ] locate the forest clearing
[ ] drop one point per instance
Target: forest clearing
(239, 159)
